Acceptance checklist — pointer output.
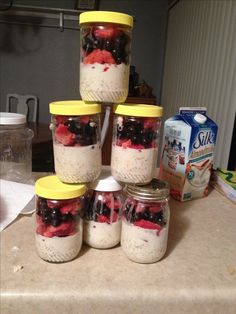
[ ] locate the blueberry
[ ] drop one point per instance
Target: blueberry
(65, 217)
(46, 219)
(55, 222)
(55, 213)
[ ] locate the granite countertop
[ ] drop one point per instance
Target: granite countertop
(197, 274)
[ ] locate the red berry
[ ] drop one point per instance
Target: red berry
(147, 225)
(106, 33)
(99, 56)
(155, 208)
(64, 136)
(84, 119)
(70, 208)
(127, 144)
(103, 218)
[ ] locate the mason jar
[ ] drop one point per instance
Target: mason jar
(76, 131)
(145, 222)
(59, 226)
(15, 148)
(102, 216)
(135, 142)
(105, 56)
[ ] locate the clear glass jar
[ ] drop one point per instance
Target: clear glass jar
(102, 216)
(59, 226)
(135, 142)
(15, 148)
(76, 130)
(145, 222)
(105, 56)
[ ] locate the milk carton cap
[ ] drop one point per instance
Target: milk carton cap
(200, 118)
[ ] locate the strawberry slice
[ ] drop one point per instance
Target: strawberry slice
(147, 225)
(127, 144)
(64, 136)
(149, 123)
(103, 218)
(84, 119)
(64, 229)
(106, 33)
(99, 56)
(70, 208)
(155, 208)
(60, 119)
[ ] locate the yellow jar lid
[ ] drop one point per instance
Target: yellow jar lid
(74, 108)
(51, 187)
(106, 16)
(139, 110)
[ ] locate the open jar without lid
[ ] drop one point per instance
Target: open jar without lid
(15, 148)
(145, 222)
(59, 226)
(102, 217)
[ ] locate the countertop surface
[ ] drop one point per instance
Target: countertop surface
(197, 274)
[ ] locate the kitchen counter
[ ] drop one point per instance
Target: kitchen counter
(197, 274)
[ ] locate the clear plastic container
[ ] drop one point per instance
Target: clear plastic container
(102, 216)
(105, 56)
(135, 142)
(145, 222)
(15, 148)
(59, 226)
(76, 130)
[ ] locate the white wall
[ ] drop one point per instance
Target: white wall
(200, 64)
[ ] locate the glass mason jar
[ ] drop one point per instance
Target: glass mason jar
(15, 148)
(145, 222)
(58, 224)
(135, 142)
(76, 130)
(102, 216)
(105, 56)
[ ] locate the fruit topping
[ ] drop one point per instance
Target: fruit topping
(80, 131)
(64, 136)
(99, 56)
(138, 133)
(59, 220)
(111, 40)
(106, 32)
(103, 207)
(145, 215)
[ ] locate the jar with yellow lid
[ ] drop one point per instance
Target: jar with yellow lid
(105, 56)
(145, 222)
(76, 130)
(59, 226)
(135, 142)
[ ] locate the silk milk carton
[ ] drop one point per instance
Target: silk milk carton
(187, 153)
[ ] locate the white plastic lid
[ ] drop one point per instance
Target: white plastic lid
(200, 118)
(7, 118)
(105, 183)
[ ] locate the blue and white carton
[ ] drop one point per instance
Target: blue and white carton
(188, 152)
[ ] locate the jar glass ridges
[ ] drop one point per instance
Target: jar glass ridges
(15, 148)
(105, 56)
(58, 223)
(145, 224)
(135, 143)
(102, 217)
(76, 133)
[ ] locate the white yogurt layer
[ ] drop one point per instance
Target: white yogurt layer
(77, 164)
(143, 245)
(101, 235)
(59, 249)
(104, 82)
(133, 165)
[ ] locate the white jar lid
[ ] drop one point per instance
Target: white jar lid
(7, 118)
(200, 118)
(105, 183)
